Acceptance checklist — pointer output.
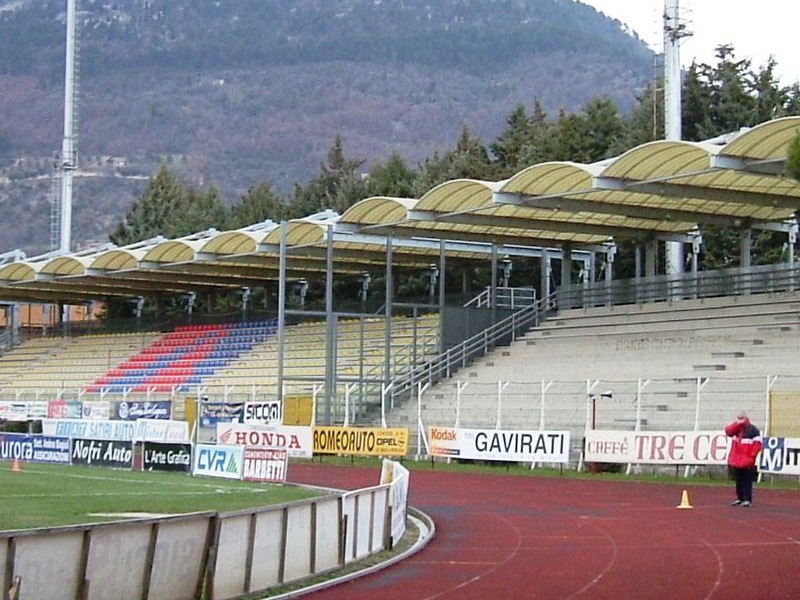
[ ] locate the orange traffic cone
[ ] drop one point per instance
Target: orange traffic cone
(16, 466)
(685, 501)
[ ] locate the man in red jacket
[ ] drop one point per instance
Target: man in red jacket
(742, 457)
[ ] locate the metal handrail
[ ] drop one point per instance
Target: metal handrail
(505, 297)
(459, 356)
(744, 281)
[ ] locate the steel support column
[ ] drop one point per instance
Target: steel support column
(387, 369)
(442, 291)
(330, 333)
(282, 305)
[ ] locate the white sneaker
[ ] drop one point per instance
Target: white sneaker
(747, 503)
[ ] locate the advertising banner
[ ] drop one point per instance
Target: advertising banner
(297, 440)
(657, 447)
(217, 460)
(13, 411)
(98, 430)
(96, 410)
(780, 456)
(34, 448)
(362, 441)
(156, 430)
(102, 453)
(212, 413)
(500, 444)
(397, 476)
(130, 411)
(65, 409)
(38, 409)
(265, 464)
(263, 413)
(166, 457)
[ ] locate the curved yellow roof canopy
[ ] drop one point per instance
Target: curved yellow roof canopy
(234, 242)
(378, 209)
(117, 260)
(766, 141)
(20, 271)
(66, 266)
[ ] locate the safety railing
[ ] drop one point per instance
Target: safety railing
(505, 297)
(459, 356)
(764, 279)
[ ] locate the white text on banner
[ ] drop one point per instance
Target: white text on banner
(780, 456)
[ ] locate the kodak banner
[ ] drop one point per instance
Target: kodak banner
(499, 444)
(360, 440)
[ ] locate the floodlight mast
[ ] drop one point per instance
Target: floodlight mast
(674, 30)
(69, 151)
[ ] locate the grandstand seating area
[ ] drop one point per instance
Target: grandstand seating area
(184, 357)
(46, 365)
(720, 350)
(239, 356)
(305, 358)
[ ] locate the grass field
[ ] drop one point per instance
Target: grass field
(48, 495)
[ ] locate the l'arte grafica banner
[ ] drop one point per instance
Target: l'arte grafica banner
(500, 444)
(657, 447)
(780, 455)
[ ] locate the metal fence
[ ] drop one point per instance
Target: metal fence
(674, 404)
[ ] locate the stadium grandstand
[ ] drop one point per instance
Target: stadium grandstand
(566, 350)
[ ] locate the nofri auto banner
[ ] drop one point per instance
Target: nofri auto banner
(657, 447)
(500, 444)
(297, 440)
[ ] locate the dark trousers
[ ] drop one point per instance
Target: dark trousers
(744, 483)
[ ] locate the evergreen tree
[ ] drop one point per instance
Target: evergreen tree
(259, 204)
(157, 211)
(468, 160)
(695, 100)
(520, 145)
(337, 186)
(203, 211)
(645, 123)
(393, 178)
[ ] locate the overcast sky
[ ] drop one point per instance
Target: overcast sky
(756, 29)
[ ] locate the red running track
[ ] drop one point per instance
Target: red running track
(557, 538)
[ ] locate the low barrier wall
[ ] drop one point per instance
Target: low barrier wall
(213, 556)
